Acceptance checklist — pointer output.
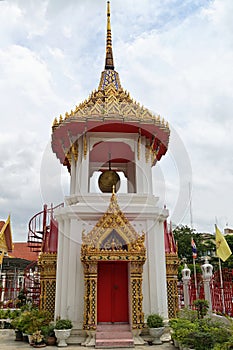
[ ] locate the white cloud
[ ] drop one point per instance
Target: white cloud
(174, 57)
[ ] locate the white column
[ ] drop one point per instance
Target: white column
(73, 175)
(147, 168)
(78, 167)
(79, 283)
(131, 182)
(143, 172)
(65, 269)
(82, 171)
(59, 268)
(156, 268)
(73, 274)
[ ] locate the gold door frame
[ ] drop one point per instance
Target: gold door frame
(113, 239)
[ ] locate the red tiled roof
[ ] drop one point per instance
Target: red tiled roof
(21, 250)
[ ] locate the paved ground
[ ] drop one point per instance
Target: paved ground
(7, 342)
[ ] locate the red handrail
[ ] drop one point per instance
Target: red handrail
(38, 226)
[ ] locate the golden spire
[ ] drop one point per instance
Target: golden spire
(109, 56)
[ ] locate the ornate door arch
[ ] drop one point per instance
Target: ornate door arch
(113, 239)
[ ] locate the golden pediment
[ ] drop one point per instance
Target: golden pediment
(113, 237)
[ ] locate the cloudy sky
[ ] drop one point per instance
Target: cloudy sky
(175, 57)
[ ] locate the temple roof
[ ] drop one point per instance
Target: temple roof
(6, 235)
(22, 251)
(110, 108)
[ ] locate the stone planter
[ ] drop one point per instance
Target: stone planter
(156, 333)
(62, 335)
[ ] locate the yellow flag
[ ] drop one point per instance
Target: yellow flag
(223, 250)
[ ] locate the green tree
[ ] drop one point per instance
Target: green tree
(183, 236)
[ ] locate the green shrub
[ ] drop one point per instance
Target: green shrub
(202, 334)
(154, 321)
(63, 324)
(48, 331)
(31, 321)
(188, 314)
(199, 340)
(201, 306)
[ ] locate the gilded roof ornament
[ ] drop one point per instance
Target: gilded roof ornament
(109, 55)
(55, 122)
(110, 102)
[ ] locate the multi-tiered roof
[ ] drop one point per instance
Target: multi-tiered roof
(110, 108)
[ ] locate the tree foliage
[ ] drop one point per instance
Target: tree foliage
(205, 247)
(183, 236)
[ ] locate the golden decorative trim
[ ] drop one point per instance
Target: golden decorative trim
(74, 150)
(139, 144)
(112, 219)
(69, 157)
(172, 264)
(99, 105)
(47, 265)
(112, 239)
(85, 146)
(136, 269)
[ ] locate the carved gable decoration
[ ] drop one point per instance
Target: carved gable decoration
(6, 236)
(113, 238)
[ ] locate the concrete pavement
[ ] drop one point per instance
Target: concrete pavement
(7, 342)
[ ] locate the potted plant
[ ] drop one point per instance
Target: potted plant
(49, 334)
(17, 324)
(156, 327)
(38, 340)
(30, 321)
(62, 331)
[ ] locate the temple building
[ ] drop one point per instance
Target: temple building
(6, 244)
(115, 262)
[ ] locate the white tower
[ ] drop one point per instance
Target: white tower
(110, 135)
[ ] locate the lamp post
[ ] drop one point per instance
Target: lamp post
(186, 278)
(207, 273)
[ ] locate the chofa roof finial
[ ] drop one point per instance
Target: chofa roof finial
(109, 55)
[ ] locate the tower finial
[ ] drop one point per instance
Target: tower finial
(109, 56)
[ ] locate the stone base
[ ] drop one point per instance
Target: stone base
(77, 336)
(138, 340)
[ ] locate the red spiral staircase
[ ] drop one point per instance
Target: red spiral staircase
(32, 283)
(42, 237)
(42, 234)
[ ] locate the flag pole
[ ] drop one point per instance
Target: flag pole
(221, 286)
(195, 276)
(191, 222)
(190, 206)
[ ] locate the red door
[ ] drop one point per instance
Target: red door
(112, 292)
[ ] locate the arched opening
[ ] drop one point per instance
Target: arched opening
(116, 156)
